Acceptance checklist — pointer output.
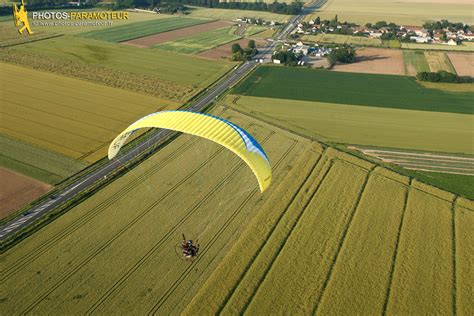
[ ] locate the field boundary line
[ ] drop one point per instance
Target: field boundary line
(35, 40)
(259, 249)
(342, 240)
(454, 262)
(282, 244)
(150, 252)
(163, 299)
(98, 250)
(90, 215)
(395, 252)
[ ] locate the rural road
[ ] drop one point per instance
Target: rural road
(68, 193)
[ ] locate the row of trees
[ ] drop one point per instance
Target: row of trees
(344, 54)
(276, 7)
(445, 24)
(240, 54)
(441, 76)
(287, 58)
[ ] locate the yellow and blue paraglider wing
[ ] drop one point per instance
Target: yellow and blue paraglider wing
(210, 127)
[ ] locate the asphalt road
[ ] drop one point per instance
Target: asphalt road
(36, 212)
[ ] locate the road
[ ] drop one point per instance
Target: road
(68, 193)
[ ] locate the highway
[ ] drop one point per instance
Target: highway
(87, 181)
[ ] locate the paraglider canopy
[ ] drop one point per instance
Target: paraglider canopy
(210, 127)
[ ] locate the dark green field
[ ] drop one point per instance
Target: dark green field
(349, 88)
(139, 29)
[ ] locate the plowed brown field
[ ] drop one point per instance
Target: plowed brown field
(17, 190)
(376, 61)
(463, 63)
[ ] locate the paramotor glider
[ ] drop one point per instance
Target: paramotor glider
(210, 127)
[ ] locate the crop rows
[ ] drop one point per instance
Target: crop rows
(35, 162)
(424, 259)
(111, 77)
(181, 72)
(372, 253)
(162, 254)
(360, 266)
(439, 61)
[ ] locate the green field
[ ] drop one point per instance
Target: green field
(228, 14)
(464, 47)
(415, 62)
(35, 162)
(139, 29)
(120, 243)
(343, 39)
(200, 42)
(72, 117)
(342, 123)
(384, 91)
(180, 69)
(405, 12)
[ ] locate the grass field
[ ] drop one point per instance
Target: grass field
(412, 12)
(415, 62)
(121, 253)
(439, 61)
(464, 47)
(139, 29)
(195, 73)
(395, 128)
(72, 117)
(350, 88)
(228, 14)
(343, 39)
(200, 42)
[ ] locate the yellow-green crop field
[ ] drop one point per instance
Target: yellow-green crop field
(72, 117)
(439, 61)
(182, 70)
(438, 132)
(405, 12)
(342, 39)
(332, 234)
(228, 14)
(464, 47)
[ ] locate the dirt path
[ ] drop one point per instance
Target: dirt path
(18, 190)
(159, 38)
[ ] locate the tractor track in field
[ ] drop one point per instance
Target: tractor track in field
(282, 244)
(453, 227)
(395, 253)
(125, 228)
(254, 257)
(118, 284)
(342, 240)
(84, 219)
(183, 275)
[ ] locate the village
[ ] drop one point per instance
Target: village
(440, 32)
